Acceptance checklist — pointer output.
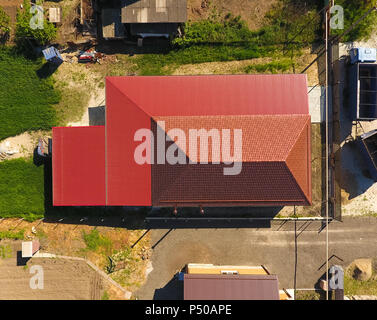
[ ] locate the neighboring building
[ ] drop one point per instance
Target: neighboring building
(143, 18)
(209, 282)
(363, 91)
(96, 165)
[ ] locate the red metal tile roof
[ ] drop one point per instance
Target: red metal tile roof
(216, 95)
(271, 110)
(78, 162)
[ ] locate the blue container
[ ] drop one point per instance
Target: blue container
(52, 55)
(363, 55)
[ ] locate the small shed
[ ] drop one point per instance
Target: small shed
(368, 146)
(363, 90)
(52, 55)
(55, 15)
(29, 248)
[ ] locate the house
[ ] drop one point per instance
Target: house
(209, 282)
(158, 130)
(143, 18)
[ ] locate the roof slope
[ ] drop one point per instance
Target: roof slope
(216, 95)
(230, 287)
(275, 163)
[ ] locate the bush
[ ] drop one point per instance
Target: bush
(95, 241)
(21, 189)
(14, 235)
(4, 26)
(273, 67)
(229, 29)
(24, 30)
(354, 10)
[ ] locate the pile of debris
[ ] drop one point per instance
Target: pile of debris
(6, 151)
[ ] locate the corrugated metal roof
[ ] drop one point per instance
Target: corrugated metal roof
(150, 11)
(231, 287)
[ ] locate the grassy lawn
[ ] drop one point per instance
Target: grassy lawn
(355, 287)
(165, 63)
(26, 101)
(21, 189)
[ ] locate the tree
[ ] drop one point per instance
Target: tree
(4, 26)
(354, 10)
(24, 29)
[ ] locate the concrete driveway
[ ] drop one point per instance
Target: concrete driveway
(296, 252)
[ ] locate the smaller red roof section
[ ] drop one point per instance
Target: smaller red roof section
(78, 161)
(230, 287)
(216, 95)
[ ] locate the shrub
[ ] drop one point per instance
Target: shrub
(14, 235)
(95, 241)
(354, 10)
(24, 30)
(4, 26)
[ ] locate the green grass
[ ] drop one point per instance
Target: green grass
(26, 100)
(273, 67)
(105, 296)
(165, 63)
(14, 235)
(6, 251)
(307, 295)
(96, 242)
(356, 287)
(21, 189)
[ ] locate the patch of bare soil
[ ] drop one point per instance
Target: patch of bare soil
(62, 279)
(67, 240)
(21, 146)
(252, 11)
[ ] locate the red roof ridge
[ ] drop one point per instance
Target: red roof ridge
(108, 79)
(296, 161)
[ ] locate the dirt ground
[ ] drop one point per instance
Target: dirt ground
(67, 240)
(23, 144)
(252, 11)
(63, 279)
